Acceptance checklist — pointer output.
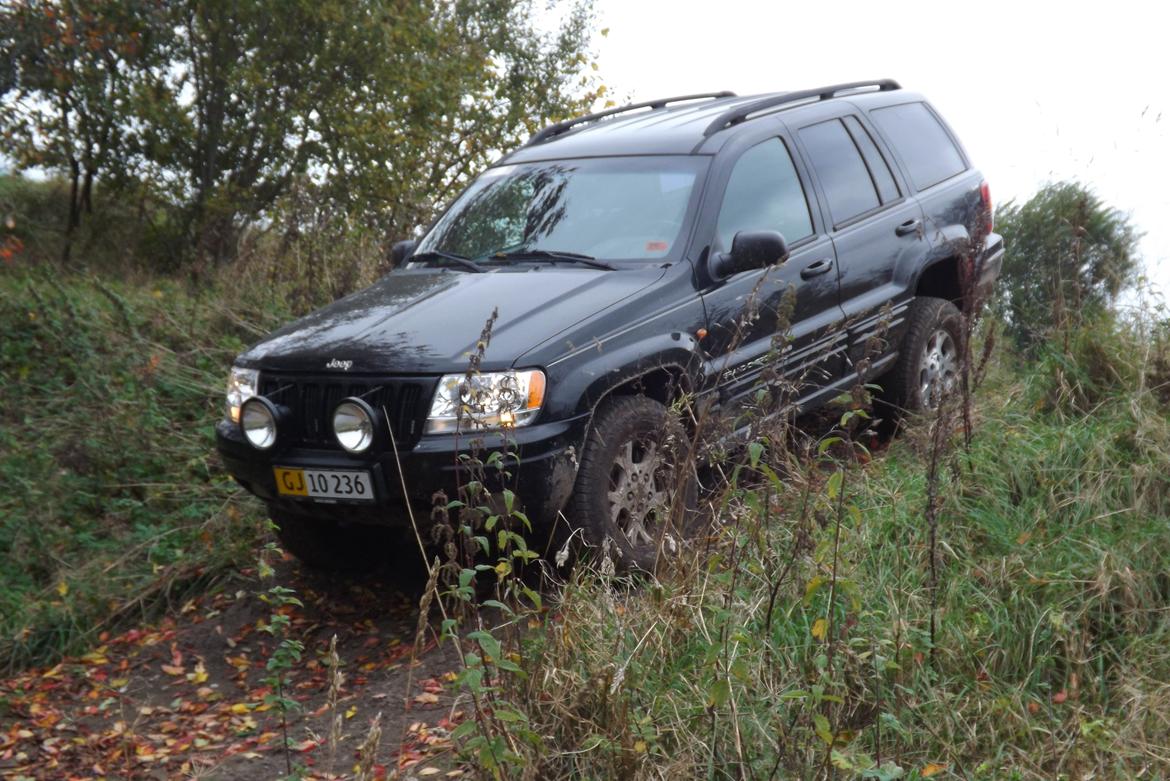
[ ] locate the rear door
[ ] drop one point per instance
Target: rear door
(876, 228)
(947, 188)
(781, 325)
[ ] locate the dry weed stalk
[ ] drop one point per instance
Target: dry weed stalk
(368, 751)
(337, 718)
(424, 611)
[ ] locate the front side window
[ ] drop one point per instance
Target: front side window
(926, 148)
(619, 208)
(764, 193)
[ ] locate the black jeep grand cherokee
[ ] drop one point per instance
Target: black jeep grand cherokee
(620, 250)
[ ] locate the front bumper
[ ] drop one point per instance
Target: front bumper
(542, 471)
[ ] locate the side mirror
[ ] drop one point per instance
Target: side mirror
(400, 251)
(749, 250)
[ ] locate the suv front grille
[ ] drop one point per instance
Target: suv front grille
(312, 400)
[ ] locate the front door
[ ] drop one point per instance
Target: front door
(778, 327)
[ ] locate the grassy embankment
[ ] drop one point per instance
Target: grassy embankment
(112, 504)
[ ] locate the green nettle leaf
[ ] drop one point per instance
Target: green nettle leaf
(464, 729)
(719, 693)
(889, 771)
(833, 486)
(827, 443)
(489, 644)
(821, 726)
(755, 450)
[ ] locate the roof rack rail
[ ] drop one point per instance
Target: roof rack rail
(568, 124)
(740, 113)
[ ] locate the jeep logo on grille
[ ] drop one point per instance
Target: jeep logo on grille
(336, 364)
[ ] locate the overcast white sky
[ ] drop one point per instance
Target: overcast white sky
(1037, 91)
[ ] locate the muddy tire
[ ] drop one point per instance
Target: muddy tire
(929, 363)
(332, 546)
(632, 469)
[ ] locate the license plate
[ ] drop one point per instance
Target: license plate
(345, 485)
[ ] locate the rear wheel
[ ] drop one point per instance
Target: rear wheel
(635, 496)
(329, 545)
(929, 364)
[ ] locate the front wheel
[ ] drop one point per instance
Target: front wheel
(635, 494)
(929, 365)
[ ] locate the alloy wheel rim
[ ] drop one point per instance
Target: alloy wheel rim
(638, 495)
(939, 368)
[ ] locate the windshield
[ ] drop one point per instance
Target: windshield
(619, 208)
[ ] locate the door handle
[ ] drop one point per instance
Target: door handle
(816, 268)
(908, 227)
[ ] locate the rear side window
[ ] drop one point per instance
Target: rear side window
(927, 150)
(764, 193)
(844, 177)
(879, 169)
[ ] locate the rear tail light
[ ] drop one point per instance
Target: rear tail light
(985, 197)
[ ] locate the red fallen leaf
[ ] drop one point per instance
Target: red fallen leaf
(1060, 697)
(410, 757)
(306, 745)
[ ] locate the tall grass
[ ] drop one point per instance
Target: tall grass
(1052, 652)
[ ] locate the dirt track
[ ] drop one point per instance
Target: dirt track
(184, 698)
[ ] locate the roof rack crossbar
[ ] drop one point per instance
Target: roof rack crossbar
(740, 113)
(568, 124)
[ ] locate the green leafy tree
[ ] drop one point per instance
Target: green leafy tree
(68, 71)
(1068, 257)
(379, 108)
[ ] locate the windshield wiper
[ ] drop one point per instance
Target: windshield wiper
(553, 256)
(438, 254)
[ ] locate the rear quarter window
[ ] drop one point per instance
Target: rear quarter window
(923, 144)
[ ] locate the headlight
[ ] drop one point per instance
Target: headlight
(242, 385)
(491, 400)
(353, 425)
(258, 422)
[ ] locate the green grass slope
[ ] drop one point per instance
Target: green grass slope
(111, 504)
